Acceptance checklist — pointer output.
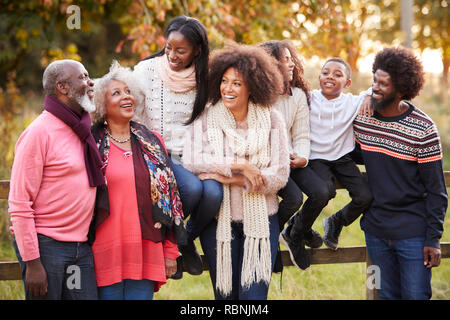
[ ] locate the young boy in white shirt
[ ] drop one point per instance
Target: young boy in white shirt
(332, 139)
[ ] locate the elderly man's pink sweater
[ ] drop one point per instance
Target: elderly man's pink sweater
(49, 190)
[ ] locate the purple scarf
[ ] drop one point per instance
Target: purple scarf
(81, 125)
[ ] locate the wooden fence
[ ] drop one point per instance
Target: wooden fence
(10, 270)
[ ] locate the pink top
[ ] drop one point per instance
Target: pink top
(119, 251)
(49, 191)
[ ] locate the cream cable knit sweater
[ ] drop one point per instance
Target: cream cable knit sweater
(198, 158)
(295, 111)
(165, 111)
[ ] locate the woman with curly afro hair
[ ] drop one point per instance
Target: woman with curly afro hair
(241, 142)
(402, 154)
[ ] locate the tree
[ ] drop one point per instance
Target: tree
(406, 21)
(33, 33)
(329, 28)
(247, 21)
(432, 29)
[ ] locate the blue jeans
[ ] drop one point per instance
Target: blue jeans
(402, 272)
(69, 267)
(257, 291)
(128, 289)
(201, 200)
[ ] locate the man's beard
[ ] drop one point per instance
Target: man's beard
(86, 103)
(379, 105)
(83, 100)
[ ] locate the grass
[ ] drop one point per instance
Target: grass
(319, 282)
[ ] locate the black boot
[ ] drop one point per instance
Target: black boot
(192, 262)
(313, 239)
(297, 230)
(297, 251)
(332, 227)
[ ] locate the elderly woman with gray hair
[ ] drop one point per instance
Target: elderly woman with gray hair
(138, 218)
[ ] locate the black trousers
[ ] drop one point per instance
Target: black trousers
(292, 199)
(317, 181)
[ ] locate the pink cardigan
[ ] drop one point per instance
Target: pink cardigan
(49, 190)
(198, 158)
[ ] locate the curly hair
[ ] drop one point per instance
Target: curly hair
(276, 48)
(265, 83)
(404, 68)
(119, 73)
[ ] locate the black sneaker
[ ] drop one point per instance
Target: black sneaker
(297, 251)
(332, 230)
(313, 239)
(192, 262)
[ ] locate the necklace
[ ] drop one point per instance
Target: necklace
(118, 140)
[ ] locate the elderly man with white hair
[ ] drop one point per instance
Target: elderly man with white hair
(55, 175)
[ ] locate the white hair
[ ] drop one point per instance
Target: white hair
(118, 73)
(54, 73)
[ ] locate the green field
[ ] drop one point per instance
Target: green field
(319, 282)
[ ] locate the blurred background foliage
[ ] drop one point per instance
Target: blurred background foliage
(34, 33)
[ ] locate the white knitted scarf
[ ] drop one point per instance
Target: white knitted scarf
(256, 264)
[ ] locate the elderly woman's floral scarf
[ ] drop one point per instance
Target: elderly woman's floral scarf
(156, 186)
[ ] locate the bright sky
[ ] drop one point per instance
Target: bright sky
(431, 60)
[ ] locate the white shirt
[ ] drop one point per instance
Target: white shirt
(165, 111)
(331, 124)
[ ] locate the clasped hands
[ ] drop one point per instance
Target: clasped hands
(244, 174)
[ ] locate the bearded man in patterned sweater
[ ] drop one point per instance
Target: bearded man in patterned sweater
(402, 153)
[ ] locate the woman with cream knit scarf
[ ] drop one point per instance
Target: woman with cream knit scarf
(241, 142)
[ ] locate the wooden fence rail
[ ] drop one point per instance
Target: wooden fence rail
(10, 270)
